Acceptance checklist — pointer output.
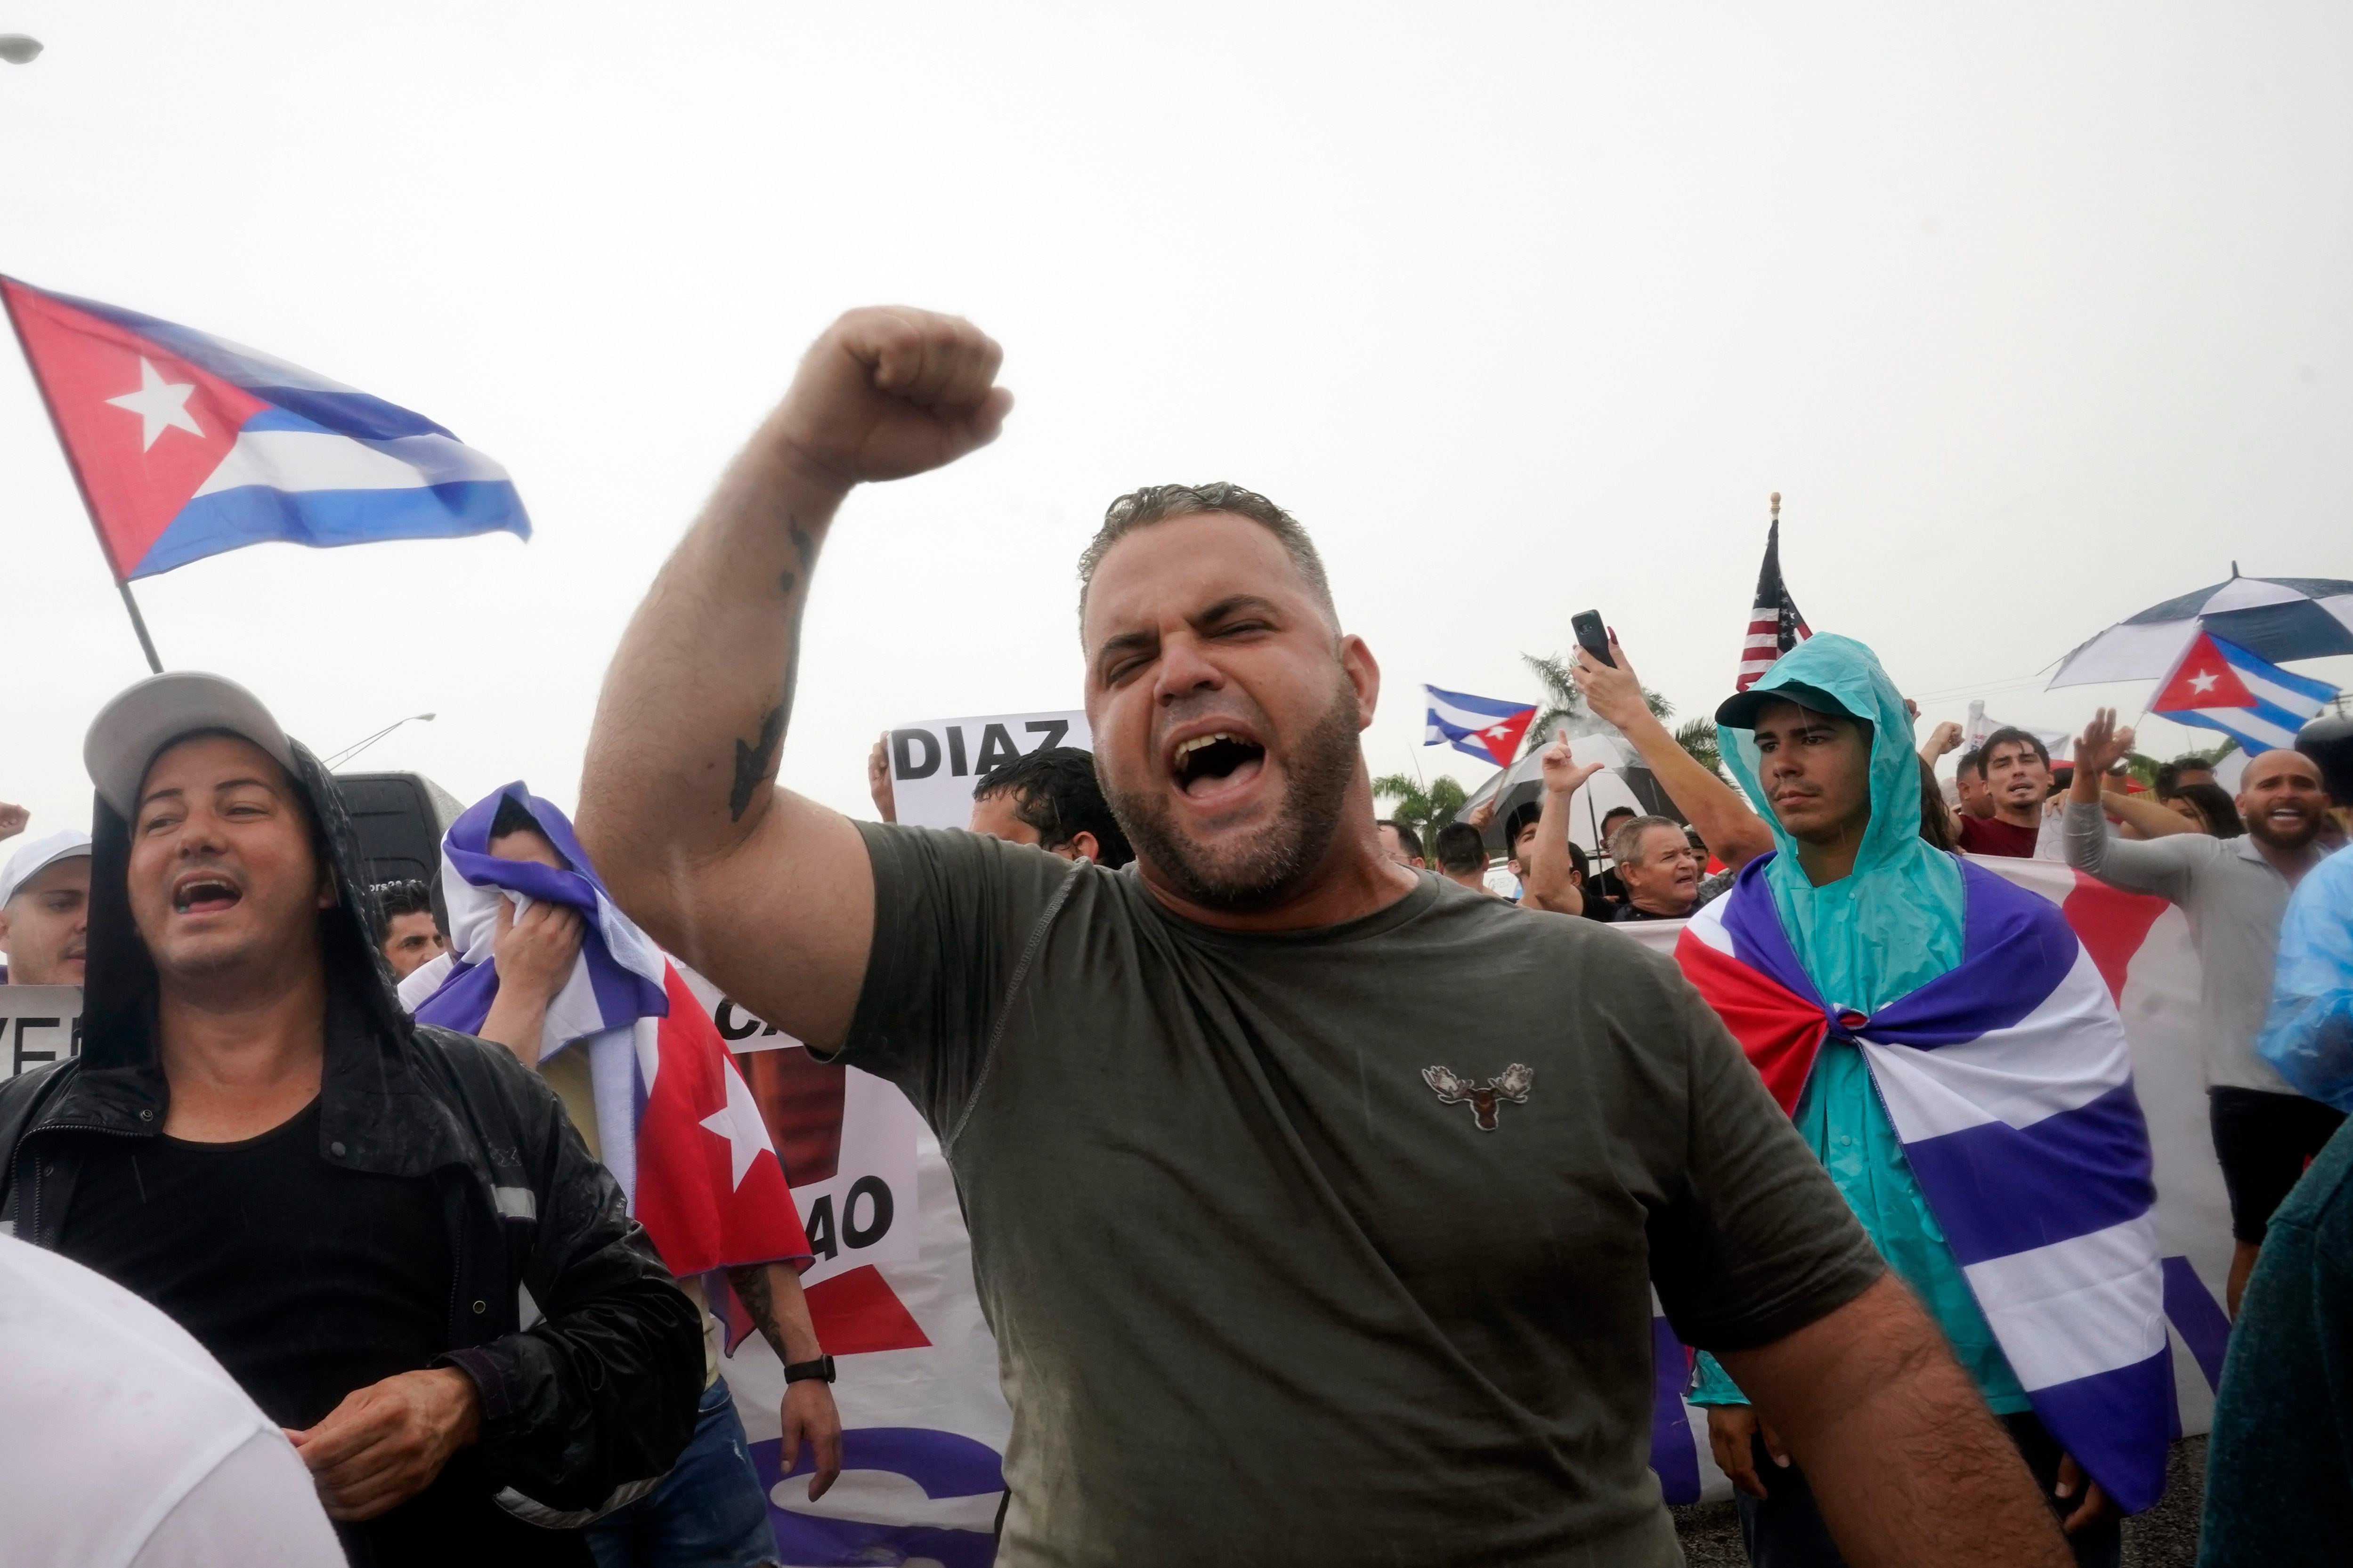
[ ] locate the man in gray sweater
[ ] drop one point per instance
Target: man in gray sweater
(2235, 892)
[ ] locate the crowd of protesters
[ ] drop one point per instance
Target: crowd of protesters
(362, 1166)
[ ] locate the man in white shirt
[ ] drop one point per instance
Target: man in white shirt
(127, 1446)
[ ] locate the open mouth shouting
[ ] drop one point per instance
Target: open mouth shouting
(1215, 763)
(204, 893)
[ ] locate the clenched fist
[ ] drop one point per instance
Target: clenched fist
(889, 391)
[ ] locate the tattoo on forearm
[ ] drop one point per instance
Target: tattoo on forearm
(805, 548)
(752, 1285)
(755, 760)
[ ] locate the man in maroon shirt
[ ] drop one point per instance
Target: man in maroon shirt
(2018, 778)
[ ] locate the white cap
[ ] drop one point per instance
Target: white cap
(35, 856)
(142, 720)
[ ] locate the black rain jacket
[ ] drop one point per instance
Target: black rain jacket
(586, 1408)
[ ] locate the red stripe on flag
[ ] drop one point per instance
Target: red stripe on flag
(1778, 1030)
(2111, 925)
(858, 1311)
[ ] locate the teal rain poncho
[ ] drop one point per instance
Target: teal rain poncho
(1878, 934)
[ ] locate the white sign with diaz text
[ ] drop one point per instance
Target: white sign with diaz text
(934, 765)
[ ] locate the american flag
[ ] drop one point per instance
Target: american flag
(1775, 626)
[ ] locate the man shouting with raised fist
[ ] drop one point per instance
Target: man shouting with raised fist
(1289, 1255)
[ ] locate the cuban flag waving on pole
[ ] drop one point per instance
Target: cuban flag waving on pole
(675, 1123)
(2218, 685)
(186, 444)
(1485, 727)
(2009, 1081)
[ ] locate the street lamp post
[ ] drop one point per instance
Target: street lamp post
(343, 758)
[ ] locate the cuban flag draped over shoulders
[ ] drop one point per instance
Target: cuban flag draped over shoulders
(2218, 685)
(676, 1124)
(2009, 1081)
(1486, 726)
(186, 444)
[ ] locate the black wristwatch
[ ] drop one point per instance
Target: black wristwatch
(822, 1369)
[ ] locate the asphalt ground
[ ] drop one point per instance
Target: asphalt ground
(2164, 1537)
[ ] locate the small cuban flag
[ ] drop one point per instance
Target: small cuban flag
(2219, 685)
(1485, 727)
(186, 444)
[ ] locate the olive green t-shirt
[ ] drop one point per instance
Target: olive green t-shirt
(1263, 1293)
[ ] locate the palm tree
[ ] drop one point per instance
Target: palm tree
(1565, 708)
(1425, 810)
(1699, 739)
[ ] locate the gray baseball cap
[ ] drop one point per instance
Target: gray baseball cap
(144, 719)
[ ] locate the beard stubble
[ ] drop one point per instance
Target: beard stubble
(1273, 863)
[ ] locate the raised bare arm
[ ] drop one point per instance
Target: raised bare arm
(1909, 1464)
(1551, 871)
(769, 894)
(1734, 833)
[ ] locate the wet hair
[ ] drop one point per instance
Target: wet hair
(513, 817)
(1936, 817)
(1626, 840)
(1972, 761)
(2011, 735)
(1461, 849)
(1162, 503)
(2214, 806)
(1407, 840)
(1055, 791)
(394, 900)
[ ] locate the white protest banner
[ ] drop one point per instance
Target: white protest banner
(847, 1140)
(39, 1024)
(934, 765)
(924, 1422)
(2142, 946)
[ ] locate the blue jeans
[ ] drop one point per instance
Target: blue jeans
(709, 1511)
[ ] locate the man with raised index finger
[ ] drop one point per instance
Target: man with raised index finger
(1285, 1258)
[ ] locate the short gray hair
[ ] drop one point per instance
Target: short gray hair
(1626, 839)
(1160, 503)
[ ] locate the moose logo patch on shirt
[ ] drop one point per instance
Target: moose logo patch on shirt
(1484, 1098)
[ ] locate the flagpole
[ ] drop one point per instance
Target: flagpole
(139, 624)
(90, 510)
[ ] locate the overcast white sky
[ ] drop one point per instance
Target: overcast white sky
(2036, 316)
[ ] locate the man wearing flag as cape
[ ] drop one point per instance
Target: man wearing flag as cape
(1953, 1057)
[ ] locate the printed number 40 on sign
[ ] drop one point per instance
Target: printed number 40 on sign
(847, 1140)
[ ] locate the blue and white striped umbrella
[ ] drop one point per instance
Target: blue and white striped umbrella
(2276, 618)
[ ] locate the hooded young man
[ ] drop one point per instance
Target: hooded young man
(550, 968)
(344, 1209)
(1952, 1056)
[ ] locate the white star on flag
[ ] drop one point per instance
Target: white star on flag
(739, 1122)
(1496, 734)
(161, 405)
(2204, 681)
